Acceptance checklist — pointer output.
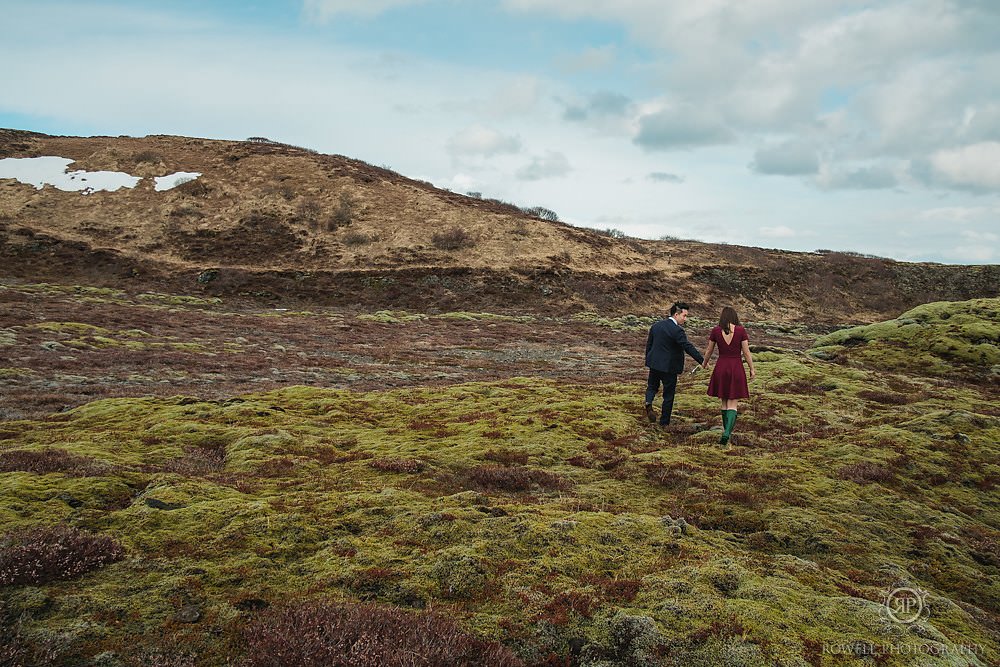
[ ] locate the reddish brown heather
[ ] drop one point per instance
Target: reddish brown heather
(335, 634)
(41, 555)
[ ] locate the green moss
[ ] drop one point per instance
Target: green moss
(76, 328)
(17, 372)
(392, 317)
(90, 337)
(476, 317)
(936, 338)
(178, 300)
(625, 322)
(757, 555)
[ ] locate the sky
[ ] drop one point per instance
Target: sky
(866, 126)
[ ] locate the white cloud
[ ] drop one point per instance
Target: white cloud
(786, 159)
(664, 177)
(509, 97)
(976, 166)
(867, 81)
(867, 177)
(323, 10)
(552, 165)
(974, 253)
(601, 105)
(986, 237)
(680, 126)
(589, 60)
(479, 141)
(982, 123)
(960, 214)
(777, 232)
(460, 182)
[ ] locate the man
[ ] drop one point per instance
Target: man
(665, 350)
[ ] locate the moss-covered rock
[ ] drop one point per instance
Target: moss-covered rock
(941, 338)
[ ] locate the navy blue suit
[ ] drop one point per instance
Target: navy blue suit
(665, 348)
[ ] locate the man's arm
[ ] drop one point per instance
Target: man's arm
(683, 341)
(649, 341)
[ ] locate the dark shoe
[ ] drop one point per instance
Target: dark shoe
(650, 413)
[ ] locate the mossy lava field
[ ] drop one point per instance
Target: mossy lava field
(189, 481)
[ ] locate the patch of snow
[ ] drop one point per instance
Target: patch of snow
(173, 180)
(42, 171)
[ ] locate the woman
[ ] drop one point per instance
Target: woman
(729, 380)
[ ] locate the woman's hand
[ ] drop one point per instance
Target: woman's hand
(753, 374)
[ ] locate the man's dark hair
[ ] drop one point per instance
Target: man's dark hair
(680, 305)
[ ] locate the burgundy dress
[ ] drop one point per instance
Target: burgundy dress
(729, 380)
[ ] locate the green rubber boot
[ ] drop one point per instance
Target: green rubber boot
(728, 422)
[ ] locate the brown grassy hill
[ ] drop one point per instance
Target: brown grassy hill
(287, 225)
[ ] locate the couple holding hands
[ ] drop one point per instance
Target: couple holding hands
(665, 348)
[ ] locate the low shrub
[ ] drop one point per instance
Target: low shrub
(194, 187)
(515, 478)
(308, 210)
(626, 640)
(150, 156)
(197, 461)
(52, 459)
(43, 554)
(885, 397)
(356, 238)
(505, 206)
(542, 213)
(17, 650)
(398, 465)
(343, 215)
(561, 609)
(866, 472)
(506, 457)
(338, 634)
(276, 467)
(454, 238)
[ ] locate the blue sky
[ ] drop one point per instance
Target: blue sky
(841, 124)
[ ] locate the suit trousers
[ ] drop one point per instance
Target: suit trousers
(669, 382)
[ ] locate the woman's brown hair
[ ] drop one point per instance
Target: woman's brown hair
(728, 319)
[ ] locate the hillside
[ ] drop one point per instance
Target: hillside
(531, 520)
(286, 226)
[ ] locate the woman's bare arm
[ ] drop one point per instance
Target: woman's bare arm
(746, 355)
(708, 353)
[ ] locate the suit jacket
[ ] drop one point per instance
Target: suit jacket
(666, 346)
